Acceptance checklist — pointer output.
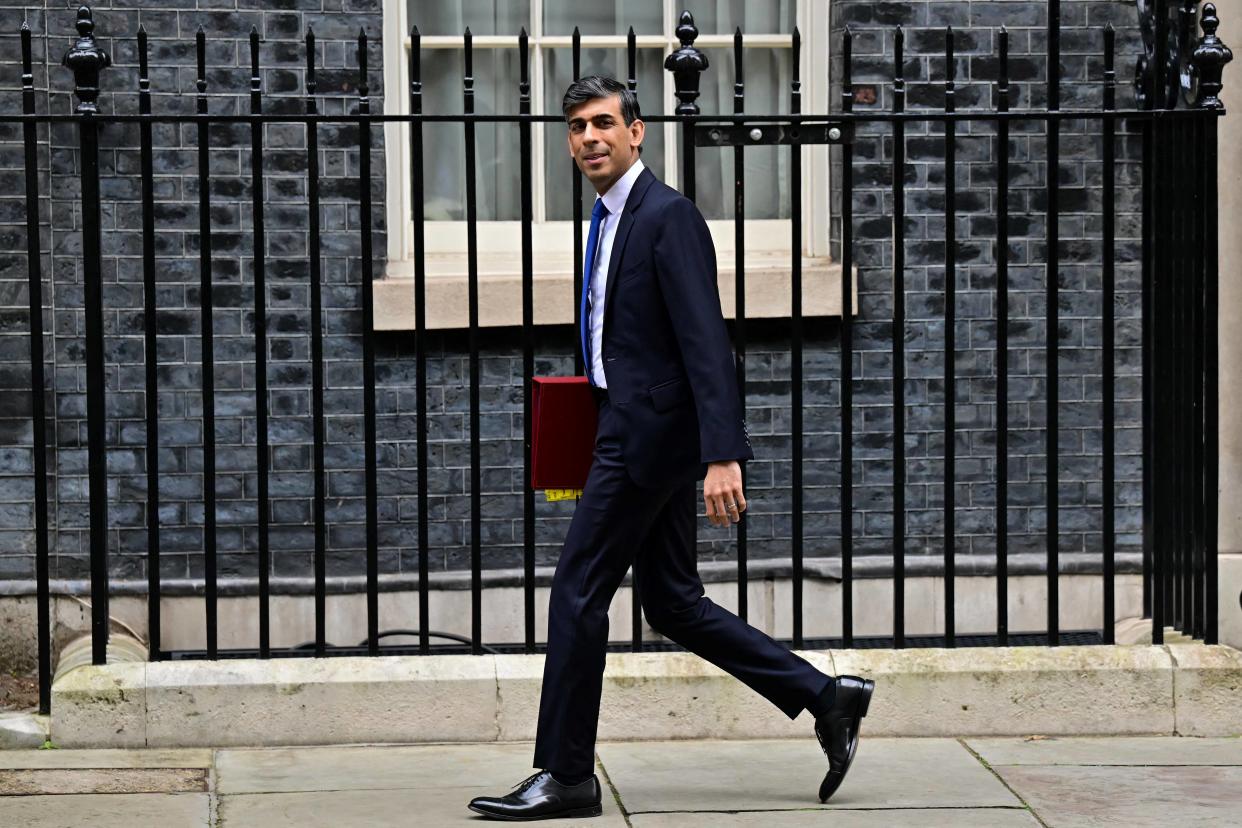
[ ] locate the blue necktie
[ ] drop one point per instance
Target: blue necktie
(597, 218)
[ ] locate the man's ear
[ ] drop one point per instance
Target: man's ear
(641, 131)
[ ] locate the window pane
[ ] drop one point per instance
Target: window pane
(484, 17)
(768, 75)
(603, 17)
(559, 72)
(498, 190)
(754, 16)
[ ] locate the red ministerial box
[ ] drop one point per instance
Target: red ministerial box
(563, 420)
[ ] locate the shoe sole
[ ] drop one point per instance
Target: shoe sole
(833, 780)
(595, 810)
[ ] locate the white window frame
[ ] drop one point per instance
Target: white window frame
(762, 235)
(766, 240)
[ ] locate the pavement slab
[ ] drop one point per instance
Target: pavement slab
(415, 806)
(374, 785)
(1108, 750)
(497, 767)
(106, 758)
(1064, 782)
(1067, 796)
(773, 775)
(844, 818)
(102, 780)
(183, 810)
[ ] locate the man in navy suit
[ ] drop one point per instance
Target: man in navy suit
(660, 364)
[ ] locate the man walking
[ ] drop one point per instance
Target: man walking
(659, 361)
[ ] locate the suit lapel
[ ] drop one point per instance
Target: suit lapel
(641, 185)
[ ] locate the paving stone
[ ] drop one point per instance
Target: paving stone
(843, 818)
(1134, 797)
(107, 758)
(785, 774)
(373, 785)
(416, 806)
(183, 810)
(102, 780)
(497, 767)
(1092, 750)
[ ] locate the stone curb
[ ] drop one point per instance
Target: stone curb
(975, 691)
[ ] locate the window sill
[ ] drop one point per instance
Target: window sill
(768, 290)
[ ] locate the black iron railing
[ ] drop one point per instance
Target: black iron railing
(1179, 330)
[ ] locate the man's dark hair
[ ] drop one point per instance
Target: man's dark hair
(599, 86)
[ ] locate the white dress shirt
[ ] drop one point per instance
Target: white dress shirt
(614, 200)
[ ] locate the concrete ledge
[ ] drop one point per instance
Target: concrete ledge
(1138, 689)
(101, 706)
(1012, 691)
(1207, 689)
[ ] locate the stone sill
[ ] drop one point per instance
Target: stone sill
(1189, 689)
(768, 290)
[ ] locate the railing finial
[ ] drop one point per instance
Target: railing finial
(686, 64)
(1210, 57)
(86, 60)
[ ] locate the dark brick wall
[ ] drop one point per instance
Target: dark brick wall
(171, 32)
(1080, 359)
(768, 361)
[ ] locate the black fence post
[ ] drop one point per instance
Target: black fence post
(528, 344)
(636, 604)
(86, 60)
(420, 332)
(34, 264)
(739, 299)
(1108, 336)
(950, 344)
(368, 346)
(472, 290)
(686, 63)
(260, 345)
(796, 339)
(1210, 57)
(1002, 344)
(899, 342)
(847, 349)
(150, 331)
(1144, 92)
(1052, 274)
(207, 348)
(316, 279)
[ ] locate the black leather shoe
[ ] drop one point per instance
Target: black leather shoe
(837, 729)
(540, 796)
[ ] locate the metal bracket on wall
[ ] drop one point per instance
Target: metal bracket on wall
(736, 135)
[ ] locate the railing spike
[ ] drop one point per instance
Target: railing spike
(1210, 57)
(687, 64)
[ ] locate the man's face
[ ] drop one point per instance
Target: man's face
(601, 144)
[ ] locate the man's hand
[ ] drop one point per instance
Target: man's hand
(722, 493)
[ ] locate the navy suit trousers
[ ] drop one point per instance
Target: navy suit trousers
(616, 525)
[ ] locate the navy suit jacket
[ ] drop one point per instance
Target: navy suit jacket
(668, 362)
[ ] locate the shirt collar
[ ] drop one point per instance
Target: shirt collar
(617, 194)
